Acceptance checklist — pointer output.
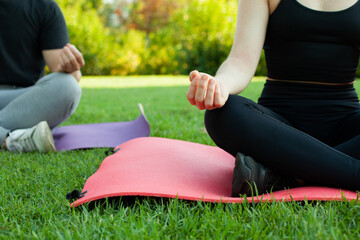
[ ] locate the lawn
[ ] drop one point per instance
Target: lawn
(33, 204)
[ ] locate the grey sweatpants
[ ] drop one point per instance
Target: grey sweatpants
(53, 99)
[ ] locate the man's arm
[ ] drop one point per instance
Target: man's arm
(68, 60)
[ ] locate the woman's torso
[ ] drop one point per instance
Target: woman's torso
(308, 52)
(305, 44)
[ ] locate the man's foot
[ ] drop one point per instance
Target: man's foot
(38, 138)
(252, 178)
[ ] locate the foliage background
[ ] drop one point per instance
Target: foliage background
(147, 37)
(151, 37)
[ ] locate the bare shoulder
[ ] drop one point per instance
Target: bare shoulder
(273, 4)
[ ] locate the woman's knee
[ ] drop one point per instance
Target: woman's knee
(235, 111)
(235, 117)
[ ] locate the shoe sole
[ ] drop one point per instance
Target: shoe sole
(43, 138)
(241, 176)
(245, 173)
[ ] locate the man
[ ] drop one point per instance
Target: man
(33, 34)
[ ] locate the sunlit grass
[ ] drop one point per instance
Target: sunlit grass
(139, 81)
(133, 81)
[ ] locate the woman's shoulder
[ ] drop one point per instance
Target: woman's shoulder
(273, 5)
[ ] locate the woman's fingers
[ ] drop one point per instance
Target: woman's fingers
(193, 74)
(204, 92)
(192, 90)
(209, 99)
(201, 89)
(197, 91)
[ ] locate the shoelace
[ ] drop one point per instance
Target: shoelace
(24, 143)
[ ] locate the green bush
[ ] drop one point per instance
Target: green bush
(205, 31)
(88, 34)
(197, 35)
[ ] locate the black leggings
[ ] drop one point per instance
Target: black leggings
(311, 133)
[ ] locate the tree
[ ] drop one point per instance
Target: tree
(146, 15)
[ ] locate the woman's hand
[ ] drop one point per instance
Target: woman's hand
(205, 92)
(71, 59)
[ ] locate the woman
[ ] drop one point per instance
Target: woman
(305, 128)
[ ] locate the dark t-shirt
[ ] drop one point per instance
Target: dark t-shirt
(26, 28)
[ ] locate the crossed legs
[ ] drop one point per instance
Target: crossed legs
(246, 127)
(53, 99)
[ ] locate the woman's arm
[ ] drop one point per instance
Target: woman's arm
(236, 72)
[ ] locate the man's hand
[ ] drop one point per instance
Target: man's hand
(205, 92)
(67, 59)
(71, 59)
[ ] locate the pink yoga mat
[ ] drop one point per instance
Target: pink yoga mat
(100, 135)
(170, 168)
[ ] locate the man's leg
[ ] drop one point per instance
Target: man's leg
(7, 94)
(52, 99)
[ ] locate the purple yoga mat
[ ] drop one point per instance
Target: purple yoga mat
(100, 135)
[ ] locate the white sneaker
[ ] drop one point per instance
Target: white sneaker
(38, 138)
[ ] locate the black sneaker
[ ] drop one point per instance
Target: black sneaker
(252, 178)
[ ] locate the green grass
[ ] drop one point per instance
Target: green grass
(33, 186)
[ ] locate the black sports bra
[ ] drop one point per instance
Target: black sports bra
(303, 44)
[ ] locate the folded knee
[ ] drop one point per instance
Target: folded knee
(234, 126)
(237, 111)
(69, 86)
(65, 87)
